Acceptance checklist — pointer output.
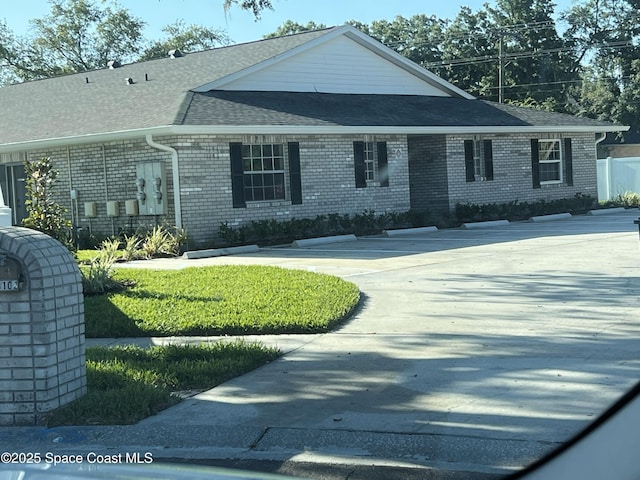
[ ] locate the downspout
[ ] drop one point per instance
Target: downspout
(175, 175)
(604, 135)
(607, 168)
(106, 187)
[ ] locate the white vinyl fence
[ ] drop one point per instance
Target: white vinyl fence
(618, 175)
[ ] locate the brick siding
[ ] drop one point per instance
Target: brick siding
(434, 163)
(42, 360)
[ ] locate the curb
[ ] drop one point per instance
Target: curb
(546, 218)
(409, 231)
(606, 211)
(491, 223)
(309, 242)
(219, 252)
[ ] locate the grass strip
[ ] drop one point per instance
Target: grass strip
(220, 300)
(127, 384)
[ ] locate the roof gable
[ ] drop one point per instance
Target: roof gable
(344, 60)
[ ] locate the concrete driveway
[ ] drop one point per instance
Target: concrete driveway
(474, 351)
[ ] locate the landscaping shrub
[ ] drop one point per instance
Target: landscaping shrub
(516, 210)
(270, 232)
(626, 200)
(98, 276)
(44, 213)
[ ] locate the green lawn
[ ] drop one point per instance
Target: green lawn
(221, 300)
(127, 384)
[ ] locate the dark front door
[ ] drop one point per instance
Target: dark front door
(14, 189)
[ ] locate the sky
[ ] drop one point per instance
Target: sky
(241, 26)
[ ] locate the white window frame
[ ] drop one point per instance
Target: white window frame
(258, 154)
(369, 161)
(479, 166)
(544, 152)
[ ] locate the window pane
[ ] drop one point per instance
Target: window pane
(549, 150)
(278, 179)
(269, 193)
(263, 158)
(549, 172)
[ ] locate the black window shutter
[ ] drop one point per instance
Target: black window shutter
(488, 160)
(568, 162)
(358, 164)
(237, 175)
(469, 164)
(535, 163)
(295, 177)
(383, 164)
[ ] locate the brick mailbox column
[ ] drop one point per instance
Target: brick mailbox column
(42, 351)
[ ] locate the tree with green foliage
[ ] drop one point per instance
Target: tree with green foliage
(78, 35)
(538, 65)
(45, 214)
(605, 35)
(256, 6)
(82, 35)
(290, 27)
(470, 53)
(418, 38)
(186, 38)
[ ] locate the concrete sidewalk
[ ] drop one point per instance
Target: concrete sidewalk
(474, 353)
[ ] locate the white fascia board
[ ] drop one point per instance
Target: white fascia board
(294, 130)
(375, 129)
(84, 139)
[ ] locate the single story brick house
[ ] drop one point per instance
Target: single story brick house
(328, 121)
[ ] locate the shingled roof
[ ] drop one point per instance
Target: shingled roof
(102, 101)
(169, 96)
(329, 109)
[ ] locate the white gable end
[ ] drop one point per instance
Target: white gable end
(336, 66)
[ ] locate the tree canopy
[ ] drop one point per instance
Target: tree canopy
(81, 35)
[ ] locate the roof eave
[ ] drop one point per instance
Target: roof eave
(300, 130)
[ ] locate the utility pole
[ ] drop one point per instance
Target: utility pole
(500, 70)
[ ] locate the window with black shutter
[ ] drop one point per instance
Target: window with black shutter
(535, 163)
(383, 165)
(568, 162)
(295, 176)
(478, 160)
(237, 175)
(370, 164)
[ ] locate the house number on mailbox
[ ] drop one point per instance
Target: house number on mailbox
(10, 274)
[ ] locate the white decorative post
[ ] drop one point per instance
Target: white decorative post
(5, 212)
